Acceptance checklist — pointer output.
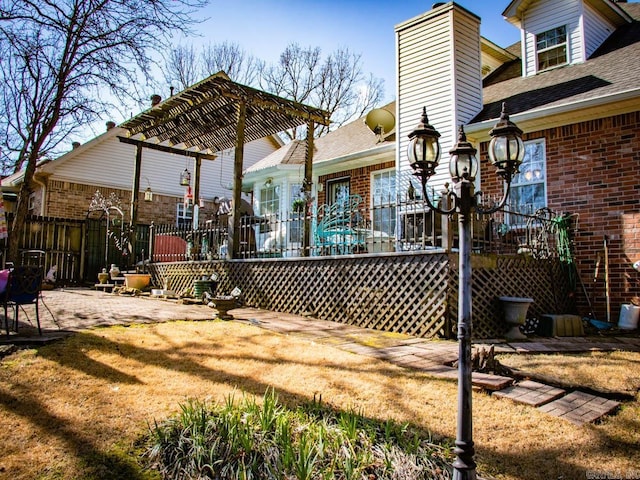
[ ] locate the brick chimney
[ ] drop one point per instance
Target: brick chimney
(110, 125)
(439, 67)
(155, 100)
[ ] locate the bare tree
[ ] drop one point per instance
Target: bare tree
(61, 59)
(335, 84)
(233, 60)
(185, 66)
(181, 68)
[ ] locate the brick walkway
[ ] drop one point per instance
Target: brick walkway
(69, 310)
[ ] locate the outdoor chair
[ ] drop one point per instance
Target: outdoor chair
(24, 287)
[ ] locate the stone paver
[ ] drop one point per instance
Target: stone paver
(531, 393)
(490, 382)
(580, 407)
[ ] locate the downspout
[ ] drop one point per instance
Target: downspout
(43, 185)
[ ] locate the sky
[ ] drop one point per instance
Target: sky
(263, 28)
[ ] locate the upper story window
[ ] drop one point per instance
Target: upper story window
(552, 48)
(528, 187)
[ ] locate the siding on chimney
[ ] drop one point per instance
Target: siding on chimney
(439, 67)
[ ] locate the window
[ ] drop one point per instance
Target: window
(528, 188)
(337, 190)
(383, 201)
(184, 216)
(552, 48)
(296, 194)
(270, 201)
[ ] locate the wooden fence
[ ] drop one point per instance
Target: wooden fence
(53, 242)
(412, 292)
(76, 248)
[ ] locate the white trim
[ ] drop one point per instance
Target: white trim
(362, 155)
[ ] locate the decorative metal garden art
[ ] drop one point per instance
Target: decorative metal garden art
(112, 209)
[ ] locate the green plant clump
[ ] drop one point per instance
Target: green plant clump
(269, 441)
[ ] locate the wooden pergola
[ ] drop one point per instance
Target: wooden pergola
(213, 115)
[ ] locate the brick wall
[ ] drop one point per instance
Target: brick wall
(359, 180)
(72, 200)
(593, 169)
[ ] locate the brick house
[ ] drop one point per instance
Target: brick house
(63, 187)
(575, 92)
(572, 85)
(350, 160)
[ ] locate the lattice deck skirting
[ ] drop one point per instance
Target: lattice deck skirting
(413, 293)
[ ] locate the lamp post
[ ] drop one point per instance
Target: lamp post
(506, 151)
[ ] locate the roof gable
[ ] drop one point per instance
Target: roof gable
(349, 139)
(610, 10)
(598, 78)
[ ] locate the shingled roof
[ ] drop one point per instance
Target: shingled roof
(614, 68)
(349, 139)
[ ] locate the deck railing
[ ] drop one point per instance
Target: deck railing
(370, 229)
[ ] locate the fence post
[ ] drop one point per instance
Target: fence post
(447, 231)
(151, 241)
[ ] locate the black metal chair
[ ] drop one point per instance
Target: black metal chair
(23, 288)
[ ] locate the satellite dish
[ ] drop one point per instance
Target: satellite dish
(380, 121)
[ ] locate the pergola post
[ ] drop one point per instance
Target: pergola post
(197, 163)
(134, 193)
(234, 221)
(308, 182)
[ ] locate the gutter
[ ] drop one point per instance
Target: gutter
(482, 128)
(363, 154)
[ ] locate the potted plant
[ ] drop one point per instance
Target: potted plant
(298, 205)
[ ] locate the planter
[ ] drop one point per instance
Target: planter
(137, 280)
(223, 305)
(114, 271)
(103, 277)
(200, 287)
(515, 314)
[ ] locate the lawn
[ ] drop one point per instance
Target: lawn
(78, 409)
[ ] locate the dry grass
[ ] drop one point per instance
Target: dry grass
(603, 371)
(75, 410)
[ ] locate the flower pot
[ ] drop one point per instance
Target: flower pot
(137, 280)
(515, 314)
(223, 305)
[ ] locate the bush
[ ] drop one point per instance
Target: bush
(268, 441)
